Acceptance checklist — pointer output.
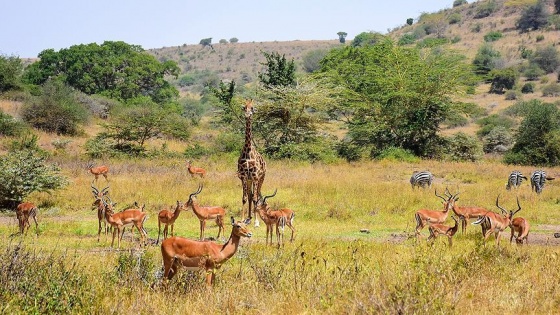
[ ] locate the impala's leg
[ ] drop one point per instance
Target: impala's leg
(114, 233)
(36, 225)
(158, 231)
(169, 267)
(450, 241)
(220, 223)
(209, 277)
(165, 229)
(512, 234)
(293, 231)
(202, 227)
(172, 225)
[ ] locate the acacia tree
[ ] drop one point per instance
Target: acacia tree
(533, 18)
(394, 96)
(11, 70)
(278, 71)
(114, 69)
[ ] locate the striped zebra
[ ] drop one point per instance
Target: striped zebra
(538, 179)
(515, 179)
(421, 179)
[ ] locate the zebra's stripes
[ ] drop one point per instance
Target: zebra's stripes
(538, 179)
(515, 179)
(421, 179)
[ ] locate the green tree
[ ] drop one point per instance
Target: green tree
(114, 69)
(389, 96)
(24, 172)
(367, 38)
(546, 58)
(11, 70)
(457, 3)
(233, 40)
(409, 21)
(533, 18)
(55, 110)
(342, 37)
(485, 59)
(228, 113)
(278, 71)
(206, 42)
(533, 145)
(502, 79)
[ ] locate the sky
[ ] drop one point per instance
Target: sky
(29, 27)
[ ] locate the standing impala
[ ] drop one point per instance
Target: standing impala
(279, 218)
(195, 170)
(168, 218)
(98, 170)
(204, 213)
(466, 213)
(424, 216)
(99, 195)
(196, 255)
(23, 211)
(496, 223)
(521, 226)
(120, 220)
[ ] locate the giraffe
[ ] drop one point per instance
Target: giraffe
(251, 167)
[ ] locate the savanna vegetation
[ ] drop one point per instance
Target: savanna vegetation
(342, 127)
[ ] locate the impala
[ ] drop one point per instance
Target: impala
(425, 216)
(466, 213)
(521, 226)
(168, 218)
(494, 222)
(98, 170)
(195, 170)
(279, 218)
(197, 255)
(23, 211)
(120, 220)
(204, 213)
(437, 229)
(99, 195)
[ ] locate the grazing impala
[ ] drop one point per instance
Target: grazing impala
(496, 223)
(99, 195)
(195, 170)
(204, 213)
(521, 226)
(168, 218)
(120, 220)
(23, 211)
(98, 170)
(196, 255)
(424, 216)
(437, 229)
(279, 218)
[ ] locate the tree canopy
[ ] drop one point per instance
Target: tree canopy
(394, 96)
(114, 69)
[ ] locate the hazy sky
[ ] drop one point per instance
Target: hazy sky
(28, 26)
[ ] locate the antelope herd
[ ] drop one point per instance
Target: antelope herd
(204, 254)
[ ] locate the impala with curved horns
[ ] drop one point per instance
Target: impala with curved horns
(437, 229)
(98, 195)
(168, 218)
(279, 218)
(495, 223)
(465, 213)
(204, 213)
(197, 255)
(424, 216)
(24, 211)
(120, 220)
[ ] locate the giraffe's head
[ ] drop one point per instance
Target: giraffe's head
(248, 108)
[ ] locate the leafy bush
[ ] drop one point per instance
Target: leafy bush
(24, 172)
(349, 151)
(311, 60)
(492, 36)
(456, 120)
(196, 151)
(485, 59)
(462, 147)
(487, 124)
(454, 18)
(551, 90)
(56, 110)
(497, 139)
(407, 39)
(228, 142)
(511, 95)
(476, 28)
(533, 18)
(528, 87)
(484, 9)
(502, 79)
(318, 151)
(397, 154)
(547, 58)
(457, 3)
(11, 69)
(99, 147)
(432, 42)
(540, 38)
(533, 72)
(9, 126)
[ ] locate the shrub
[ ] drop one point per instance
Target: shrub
(24, 172)
(487, 124)
(457, 120)
(457, 3)
(528, 87)
(9, 126)
(492, 36)
(502, 79)
(397, 154)
(484, 9)
(349, 151)
(56, 110)
(476, 28)
(432, 42)
(540, 38)
(196, 151)
(228, 142)
(547, 58)
(533, 72)
(533, 18)
(407, 39)
(552, 90)
(454, 18)
(497, 138)
(462, 147)
(511, 95)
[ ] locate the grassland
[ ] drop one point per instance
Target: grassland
(330, 268)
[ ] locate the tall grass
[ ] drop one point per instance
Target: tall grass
(330, 268)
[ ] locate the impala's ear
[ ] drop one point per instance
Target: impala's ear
(247, 221)
(232, 221)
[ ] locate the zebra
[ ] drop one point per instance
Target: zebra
(538, 179)
(421, 179)
(515, 179)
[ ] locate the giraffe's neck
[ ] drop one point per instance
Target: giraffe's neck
(248, 138)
